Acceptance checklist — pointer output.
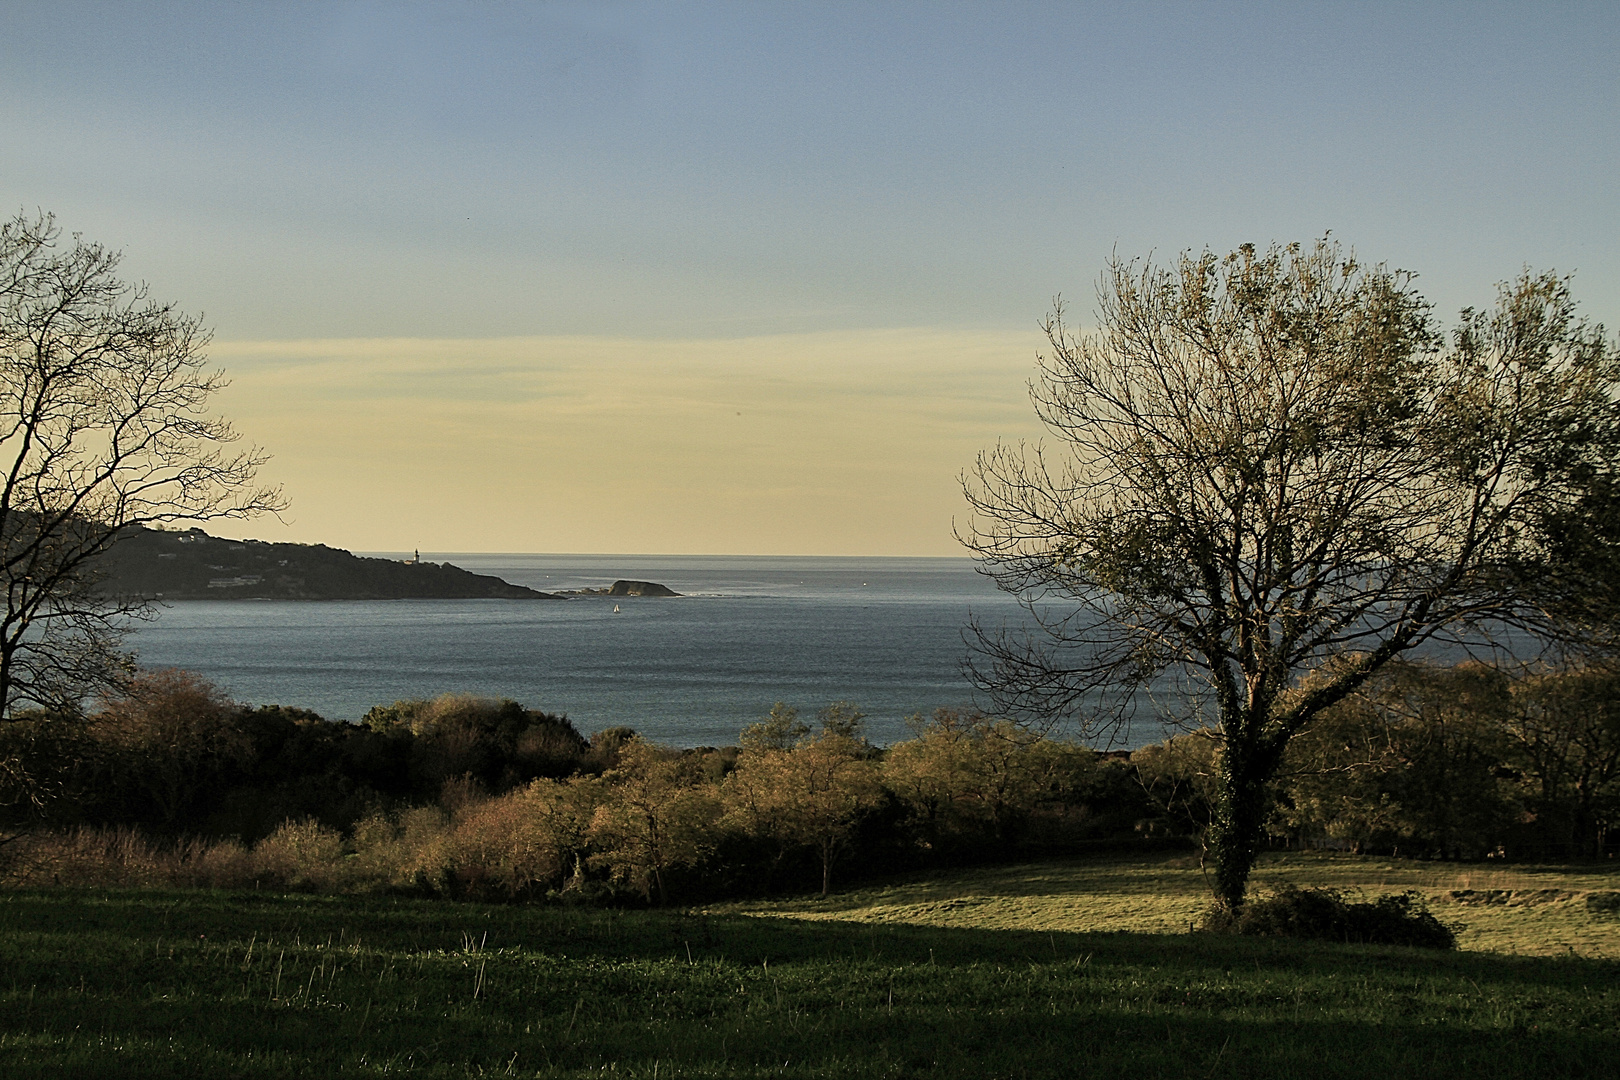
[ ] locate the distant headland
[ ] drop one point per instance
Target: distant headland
(193, 565)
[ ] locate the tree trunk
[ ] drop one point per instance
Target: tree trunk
(1236, 832)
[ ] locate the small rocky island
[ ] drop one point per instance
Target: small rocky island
(623, 587)
(193, 565)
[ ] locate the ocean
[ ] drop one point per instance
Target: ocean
(883, 633)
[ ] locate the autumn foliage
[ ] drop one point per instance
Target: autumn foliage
(172, 783)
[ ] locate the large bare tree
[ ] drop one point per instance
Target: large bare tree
(1267, 461)
(104, 424)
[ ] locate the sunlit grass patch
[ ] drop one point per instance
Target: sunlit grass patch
(1548, 915)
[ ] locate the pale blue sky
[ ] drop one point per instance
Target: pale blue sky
(789, 174)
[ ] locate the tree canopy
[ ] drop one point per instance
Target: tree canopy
(1272, 463)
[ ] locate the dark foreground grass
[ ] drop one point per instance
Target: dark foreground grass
(198, 984)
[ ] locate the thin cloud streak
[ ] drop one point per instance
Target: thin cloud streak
(828, 443)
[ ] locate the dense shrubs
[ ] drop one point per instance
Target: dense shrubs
(524, 842)
(124, 856)
(970, 781)
(497, 744)
(442, 797)
(1327, 915)
(174, 756)
(302, 854)
(1463, 762)
(470, 796)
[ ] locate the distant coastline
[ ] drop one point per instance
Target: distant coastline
(748, 631)
(193, 565)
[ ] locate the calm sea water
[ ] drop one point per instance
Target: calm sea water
(885, 634)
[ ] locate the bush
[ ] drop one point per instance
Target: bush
(302, 854)
(497, 742)
(411, 854)
(174, 744)
(123, 856)
(971, 782)
(521, 843)
(1326, 915)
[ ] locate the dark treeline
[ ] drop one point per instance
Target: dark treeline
(470, 796)
(1461, 762)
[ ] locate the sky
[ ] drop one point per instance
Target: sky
(754, 278)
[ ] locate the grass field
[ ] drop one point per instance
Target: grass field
(1537, 911)
(920, 979)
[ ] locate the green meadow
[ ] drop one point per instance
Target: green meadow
(1524, 910)
(1056, 970)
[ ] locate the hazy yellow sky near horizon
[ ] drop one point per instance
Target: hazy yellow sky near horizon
(845, 442)
(376, 207)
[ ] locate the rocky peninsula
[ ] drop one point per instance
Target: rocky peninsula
(192, 565)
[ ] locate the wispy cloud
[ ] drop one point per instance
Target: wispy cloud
(837, 442)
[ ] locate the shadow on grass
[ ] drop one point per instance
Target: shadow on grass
(150, 984)
(399, 925)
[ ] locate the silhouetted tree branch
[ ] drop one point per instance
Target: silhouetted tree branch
(104, 424)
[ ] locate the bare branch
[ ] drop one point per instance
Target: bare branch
(104, 424)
